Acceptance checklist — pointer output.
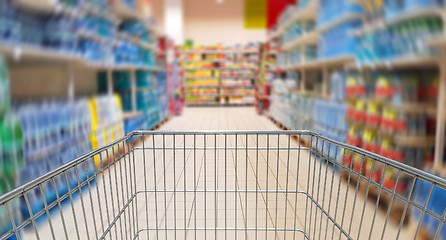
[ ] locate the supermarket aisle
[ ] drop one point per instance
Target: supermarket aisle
(188, 174)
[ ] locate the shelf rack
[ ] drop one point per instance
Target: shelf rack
(218, 73)
(350, 63)
(30, 53)
(130, 115)
(409, 62)
(34, 55)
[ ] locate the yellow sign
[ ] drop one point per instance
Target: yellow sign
(255, 14)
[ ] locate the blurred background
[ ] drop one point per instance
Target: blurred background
(76, 75)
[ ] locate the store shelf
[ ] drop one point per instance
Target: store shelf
(239, 69)
(103, 12)
(201, 77)
(321, 63)
(310, 38)
(199, 69)
(94, 36)
(221, 52)
(414, 108)
(405, 16)
(202, 86)
(122, 67)
(237, 104)
(314, 94)
(273, 52)
(359, 2)
(340, 20)
(134, 40)
(25, 53)
(129, 115)
(237, 95)
(438, 42)
(404, 62)
(237, 78)
(123, 11)
(415, 141)
(221, 69)
(237, 86)
(275, 34)
(205, 61)
(208, 104)
(47, 7)
(307, 13)
(202, 95)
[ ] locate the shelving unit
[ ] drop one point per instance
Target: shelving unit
(95, 119)
(349, 62)
(305, 100)
(224, 75)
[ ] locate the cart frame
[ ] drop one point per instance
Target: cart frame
(118, 173)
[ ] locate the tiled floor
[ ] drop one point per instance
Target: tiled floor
(241, 192)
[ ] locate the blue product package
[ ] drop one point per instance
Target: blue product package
(413, 5)
(392, 8)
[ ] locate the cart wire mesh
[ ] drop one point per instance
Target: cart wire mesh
(225, 184)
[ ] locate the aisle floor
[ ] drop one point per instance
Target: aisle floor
(208, 189)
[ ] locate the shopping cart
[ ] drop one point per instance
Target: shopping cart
(225, 184)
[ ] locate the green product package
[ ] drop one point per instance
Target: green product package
(11, 137)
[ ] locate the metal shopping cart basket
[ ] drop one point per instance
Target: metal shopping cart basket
(226, 184)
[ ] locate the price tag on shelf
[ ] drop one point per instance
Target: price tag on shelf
(17, 53)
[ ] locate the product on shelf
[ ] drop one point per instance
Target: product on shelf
(383, 103)
(389, 115)
(205, 82)
(404, 34)
(106, 124)
(394, 8)
(266, 75)
(175, 89)
(298, 29)
(209, 72)
(162, 96)
(54, 133)
(337, 41)
(151, 93)
(11, 156)
(138, 122)
(136, 29)
(405, 39)
(334, 10)
(89, 32)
